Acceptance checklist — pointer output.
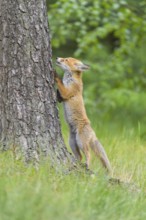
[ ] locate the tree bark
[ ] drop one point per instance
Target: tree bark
(28, 110)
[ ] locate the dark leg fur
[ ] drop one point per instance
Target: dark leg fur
(59, 97)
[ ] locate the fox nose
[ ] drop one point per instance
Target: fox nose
(57, 58)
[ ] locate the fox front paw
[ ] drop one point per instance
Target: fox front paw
(59, 97)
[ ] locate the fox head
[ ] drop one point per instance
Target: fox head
(72, 65)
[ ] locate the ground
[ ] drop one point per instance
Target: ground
(46, 194)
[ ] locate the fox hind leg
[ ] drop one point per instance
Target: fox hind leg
(82, 142)
(88, 157)
(74, 146)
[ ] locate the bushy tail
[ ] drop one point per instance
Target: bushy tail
(100, 152)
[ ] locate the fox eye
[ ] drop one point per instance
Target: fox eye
(66, 59)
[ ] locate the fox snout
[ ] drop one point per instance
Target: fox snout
(63, 63)
(57, 60)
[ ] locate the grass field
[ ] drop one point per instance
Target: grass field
(27, 194)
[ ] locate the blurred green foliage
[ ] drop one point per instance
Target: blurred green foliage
(109, 35)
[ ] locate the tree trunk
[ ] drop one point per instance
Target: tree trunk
(28, 111)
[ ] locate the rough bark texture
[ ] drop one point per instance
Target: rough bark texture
(28, 111)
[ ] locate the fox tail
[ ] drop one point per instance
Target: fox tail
(98, 149)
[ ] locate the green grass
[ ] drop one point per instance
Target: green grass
(27, 194)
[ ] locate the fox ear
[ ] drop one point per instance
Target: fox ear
(82, 66)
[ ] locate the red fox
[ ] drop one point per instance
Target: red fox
(82, 135)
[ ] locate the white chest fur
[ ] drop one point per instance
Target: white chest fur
(67, 78)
